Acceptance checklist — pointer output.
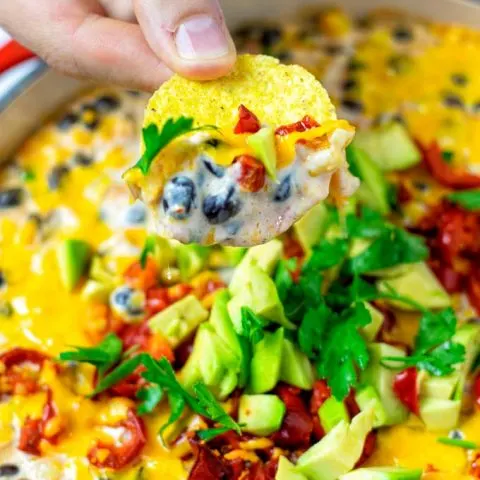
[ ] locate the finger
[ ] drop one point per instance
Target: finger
(79, 41)
(119, 9)
(190, 36)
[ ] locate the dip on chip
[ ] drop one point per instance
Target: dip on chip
(239, 159)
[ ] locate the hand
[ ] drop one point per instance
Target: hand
(133, 43)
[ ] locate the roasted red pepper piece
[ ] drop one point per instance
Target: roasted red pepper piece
(444, 173)
(207, 465)
(405, 388)
(251, 173)
(297, 425)
(473, 290)
(130, 444)
(368, 448)
(247, 121)
(306, 123)
(18, 380)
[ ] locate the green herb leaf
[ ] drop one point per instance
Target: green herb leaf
(312, 329)
(211, 433)
(435, 329)
(370, 224)
(176, 403)
(447, 156)
(468, 199)
(104, 356)
(283, 277)
(149, 247)
(252, 325)
(458, 442)
(213, 409)
(326, 254)
(151, 396)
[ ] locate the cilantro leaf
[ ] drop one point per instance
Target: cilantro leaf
(326, 254)
(213, 409)
(392, 247)
(312, 329)
(370, 224)
(151, 396)
(149, 247)
(468, 199)
(103, 356)
(252, 325)
(311, 286)
(210, 433)
(176, 403)
(283, 277)
(434, 329)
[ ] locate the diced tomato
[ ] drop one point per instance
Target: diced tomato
(444, 173)
(251, 177)
(208, 466)
(179, 291)
(158, 347)
(18, 377)
(142, 278)
(451, 280)
(297, 425)
(118, 455)
(476, 390)
(473, 290)
(157, 300)
(306, 123)
(351, 404)
(368, 448)
(320, 393)
(247, 121)
(405, 388)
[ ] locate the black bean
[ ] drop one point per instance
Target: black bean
(122, 296)
(402, 33)
(284, 190)
(349, 84)
(213, 168)
(355, 106)
(67, 121)
(178, 197)
(56, 176)
(107, 103)
(453, 101)
(11, 197)
(221, 207)
(136, 214)
(271, 36)
(8, 470)
(82, 159)
(459, 79)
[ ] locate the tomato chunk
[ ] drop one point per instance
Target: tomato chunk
(247, 121)
(251, 177)
(406, 389)
(306, 123)
(140, 277)
(131, 442)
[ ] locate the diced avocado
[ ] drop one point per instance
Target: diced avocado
(419, 284)
(98, 271)
(265, 364)
(373, 190)
(332, 412)
(383, 473)
(286, 471)
(310, 229)
(73, 256)
(94, 291)
(259, 293)
(163, 252)
(191, 259)
(264, 256)
(439, 387)
(234, 254)
(179, 320)
(389, 147)
(370, 331)
(381, 378)
(261, 414)
(338, 452)
(221, 322)
(438, 414)
(263, 144)
(368, 396)
(295, 368)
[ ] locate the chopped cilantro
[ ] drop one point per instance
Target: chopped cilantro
(458, 442)
(148, 248)
(468, 199)
(252, 325)
(312, 329)
(150, 397)
(326, 254)
(447, 156)
(283, 277)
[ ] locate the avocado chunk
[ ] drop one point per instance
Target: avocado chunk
(265, 364)
(310, 229)
(286, 471)
(264, 256)
(263, 144)
(439, 387)
(419, 284)
(370, 331)
(439, 415)
(72, 256)
(234, 255)
(332, 412)
(368, 396)
(338, 452)
(98, 292)
(295, 367)
(164, 251)
(179, 320)
(373, 190)
(191, 259)
(259, 293)
(261, 414)
(389, 147)
(383, 473)
(382, 378)
(99, 272)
